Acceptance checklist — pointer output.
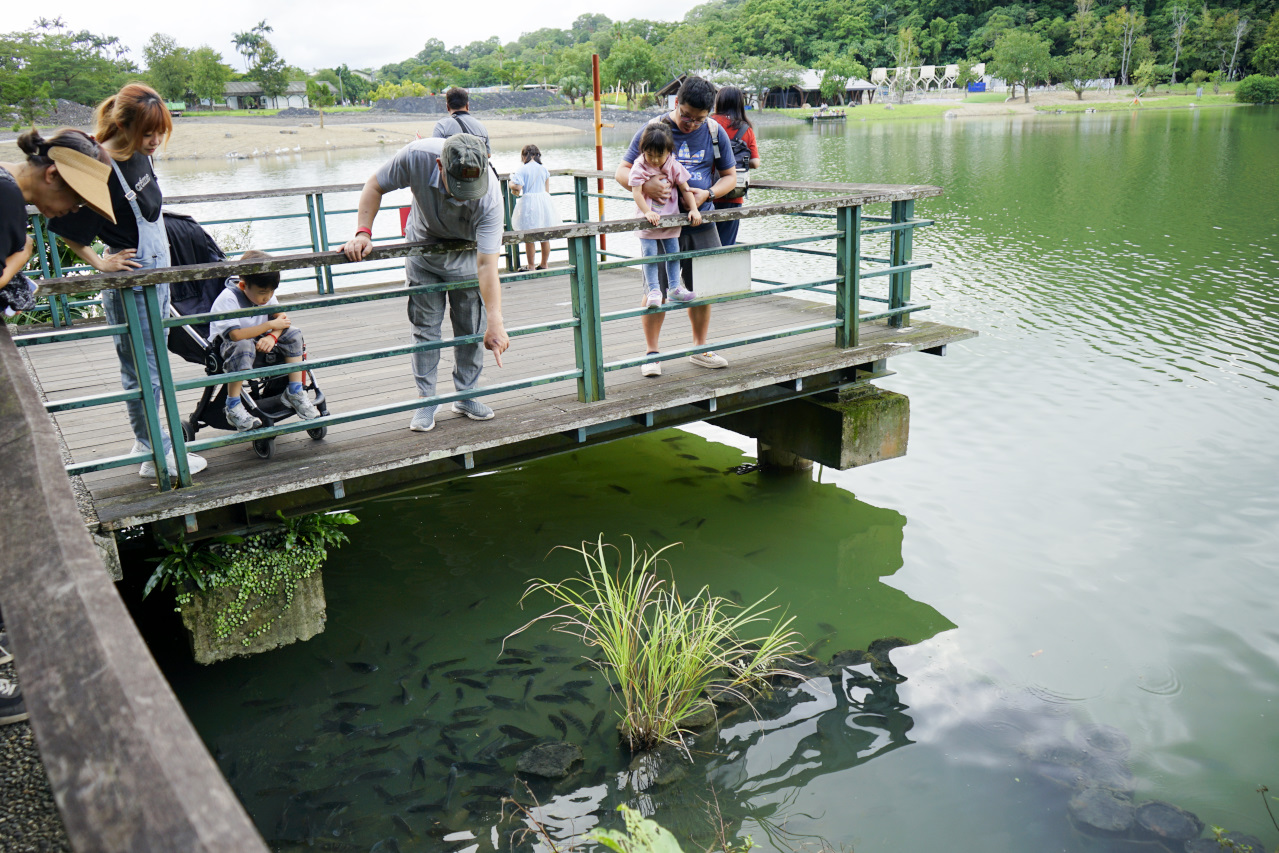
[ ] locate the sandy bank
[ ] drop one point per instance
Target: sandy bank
(196, 139)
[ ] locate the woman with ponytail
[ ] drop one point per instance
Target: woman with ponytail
(131, 126)
(58, 176)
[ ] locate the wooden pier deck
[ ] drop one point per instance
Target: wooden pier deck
(381, 454)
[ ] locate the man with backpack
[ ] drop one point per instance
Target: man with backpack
(702, 147)
(458, 102)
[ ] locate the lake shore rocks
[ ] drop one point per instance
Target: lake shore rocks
(1102, 811)
(549, 760)
(1166, 822)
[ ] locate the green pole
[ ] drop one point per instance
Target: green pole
(315, 240)
(37, 226)
(902, 246)
(587, 336)
(581, 204)
(151, 413)
(321, 220)
(508, 206)
(848, 264)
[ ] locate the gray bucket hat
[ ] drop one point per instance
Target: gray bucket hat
(466, 161)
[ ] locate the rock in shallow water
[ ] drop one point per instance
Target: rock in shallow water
(549, 760)
(1104, 740)
(1166, 822)
(1102, 810)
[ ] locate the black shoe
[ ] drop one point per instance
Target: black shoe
(12, 708)
(5, 655)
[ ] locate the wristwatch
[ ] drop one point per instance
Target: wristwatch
(711, 190)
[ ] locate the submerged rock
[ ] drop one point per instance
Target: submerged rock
(1241, 844)
(657, 767)
(549, 760)
(1166, 822)
(849, 657)
(1102, 811)
(701, 719)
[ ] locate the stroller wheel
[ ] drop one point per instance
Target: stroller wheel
(264, 447)
(318, 433)
(188, 431)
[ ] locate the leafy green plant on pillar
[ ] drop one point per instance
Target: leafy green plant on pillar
(258, 568)
(642, 835)
(669, 653)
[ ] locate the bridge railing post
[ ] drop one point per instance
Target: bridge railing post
(315, 240)
(508, 207)
(902, 247)
(588, 349)
(38, 226)
(848, 263)
(155, 328)
(581, 203)
(322, 222)
(137, 348)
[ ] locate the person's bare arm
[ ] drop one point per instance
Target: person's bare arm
(259, 330)
(694, 215)
(495, 338)
(658, 188)
(106, 262)
(359, 246)
(15, 262)
(642, 203)
(727, 180)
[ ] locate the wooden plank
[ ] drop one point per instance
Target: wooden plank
(127, 769)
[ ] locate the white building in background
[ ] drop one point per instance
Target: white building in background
(246, 95)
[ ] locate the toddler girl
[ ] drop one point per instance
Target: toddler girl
(535, 209)
(657, 150)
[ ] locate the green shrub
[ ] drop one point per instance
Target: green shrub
(1256, 89)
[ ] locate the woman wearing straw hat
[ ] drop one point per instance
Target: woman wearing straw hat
(59, 175)
(130, 125)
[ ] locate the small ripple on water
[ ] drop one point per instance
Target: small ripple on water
(1160, 680)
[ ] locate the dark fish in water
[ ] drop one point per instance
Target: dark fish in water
(574, 721)
(448, 793)
(700, 522)
(559, 725)
(576, 685)
(674, 439)
(419, 769)
(495, 673)
(516, 732)
(361, 666)
(476, 604)
(687, 456)
(503, 703)
(387, 650)
(383, 773)
(489, 791)
(551, 699)
(296, 765)
(548, 648)
(418, 645)
(708, 469)
(331, 805)
(433, 699)
(827, 627)
(756, 552)
(529, 673)
(621, 489)
(454, 673)
(515, 748)
(403, 826)
(352, 730)
(407, 730)
(440, 665)
(273, 792)
(460, 694)
(449, 743)
(425, 808)
(578, 697)
(657, 534)
(478, 767)
(338, 694)
(386, 845)
(354, 706)
(519, 653)
(514, 661)
(595, 724)
(406, 639)
(426, 681)
(558, 659)
(462, 724)
(471, 682)
(735, 596)
(377, 750)
(259, 703)
(473, 711)
(405, 696)
(585, 665)
(528, 688)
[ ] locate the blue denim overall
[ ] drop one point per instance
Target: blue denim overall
(152, 253)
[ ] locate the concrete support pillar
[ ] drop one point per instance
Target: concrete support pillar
(780, 460)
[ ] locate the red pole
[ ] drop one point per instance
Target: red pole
(599, 136)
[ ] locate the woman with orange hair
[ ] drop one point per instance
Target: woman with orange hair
(131, 125)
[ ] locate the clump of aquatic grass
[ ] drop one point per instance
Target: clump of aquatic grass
(666, 651)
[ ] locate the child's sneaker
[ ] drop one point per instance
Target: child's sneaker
(680, 293)
(653, 299)
(241, 418)
(12, 708)
(301, 404)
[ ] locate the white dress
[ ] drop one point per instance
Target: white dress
(536, 208)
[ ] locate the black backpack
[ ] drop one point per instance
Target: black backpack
(742, 154)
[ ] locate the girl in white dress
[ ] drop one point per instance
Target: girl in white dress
(535, 209)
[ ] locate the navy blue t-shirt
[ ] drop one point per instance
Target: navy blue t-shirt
(695, 151)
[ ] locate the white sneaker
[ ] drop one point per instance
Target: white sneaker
(194, 462)
(241, 418)
(652, 368)
(301, 404)
(423, 419)
(708, 359)
(653, 299)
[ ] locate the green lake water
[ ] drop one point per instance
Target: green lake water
(1085, 532)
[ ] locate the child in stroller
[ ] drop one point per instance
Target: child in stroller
(239, 344)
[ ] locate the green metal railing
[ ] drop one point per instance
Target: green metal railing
(583, 273)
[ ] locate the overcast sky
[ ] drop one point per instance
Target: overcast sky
(324, 33)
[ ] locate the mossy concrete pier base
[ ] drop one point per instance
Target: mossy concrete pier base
(860, 426)
(288, 623)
